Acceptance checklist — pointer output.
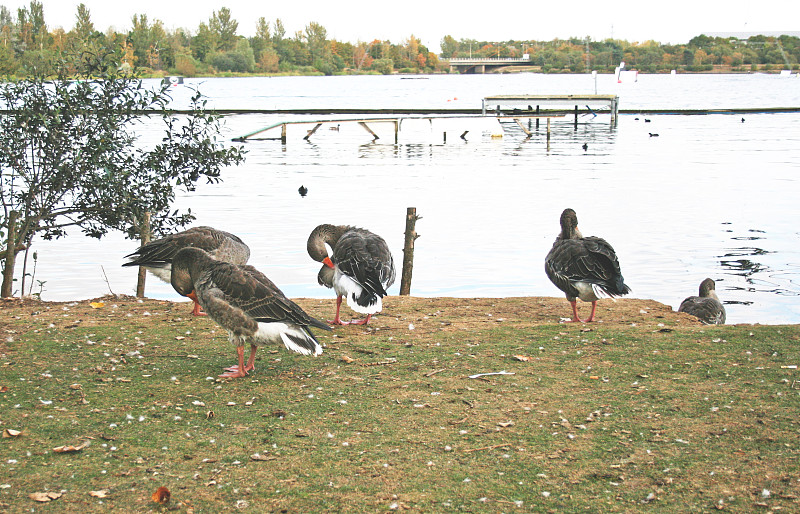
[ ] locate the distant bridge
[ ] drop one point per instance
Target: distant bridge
(483, 64)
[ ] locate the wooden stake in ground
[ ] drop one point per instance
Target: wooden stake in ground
(408, 250)
(144, 234)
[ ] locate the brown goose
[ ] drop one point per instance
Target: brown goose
(360, 268)
(583, 267)
(707, 306)
(156, 256)
(246, 303)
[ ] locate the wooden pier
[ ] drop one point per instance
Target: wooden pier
(396, 121)
(503, 103)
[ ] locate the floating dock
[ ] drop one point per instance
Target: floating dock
(396, 121)
(502, 103)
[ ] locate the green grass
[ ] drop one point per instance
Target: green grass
(661, 416)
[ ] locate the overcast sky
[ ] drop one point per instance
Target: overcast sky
(670, 21)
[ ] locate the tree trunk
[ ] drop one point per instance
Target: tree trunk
(144, 235)
(10, 256)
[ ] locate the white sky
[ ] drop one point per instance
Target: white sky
(671, 21)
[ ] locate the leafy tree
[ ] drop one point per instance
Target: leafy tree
(224, 28)
(449, 47)
(69, 156)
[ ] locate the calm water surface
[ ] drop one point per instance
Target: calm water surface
(711, 196)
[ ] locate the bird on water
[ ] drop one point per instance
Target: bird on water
(583, 267)
(360, 267)
(706, 307)
(247, 304)
(157, 255)
(303, 190)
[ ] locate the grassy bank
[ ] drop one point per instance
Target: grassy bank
(645, 410)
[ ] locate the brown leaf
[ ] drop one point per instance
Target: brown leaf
(347, 359)
(3, 389)
(10, 432)
(45, 497)
(102, 493)
(523, 358)
(161, 495)
(68, 448)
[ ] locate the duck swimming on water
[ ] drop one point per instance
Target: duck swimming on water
(583, 267)
(360, 268)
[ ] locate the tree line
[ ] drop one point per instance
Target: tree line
(215, 47)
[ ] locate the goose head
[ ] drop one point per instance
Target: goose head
(185, 266)
(708, 288)
(569, 225)
(320, 236)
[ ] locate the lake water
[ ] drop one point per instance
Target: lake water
(711, 196)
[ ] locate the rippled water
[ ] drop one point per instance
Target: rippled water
(711, 196)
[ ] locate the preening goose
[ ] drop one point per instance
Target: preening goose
(707, 306)
(360, 268)
(157, 255)
(246, 303)
(583, 267)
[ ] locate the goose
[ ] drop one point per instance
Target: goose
(583, 267)
(156, 256)
(246, 303)
(707, 306)
(360, 268)
(303, 190)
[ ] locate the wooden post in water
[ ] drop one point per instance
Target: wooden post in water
(408, 251)
(144, 235)
(576, 116)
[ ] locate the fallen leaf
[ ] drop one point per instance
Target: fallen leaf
(10, 432)
(594, 377)
(45, 497)
(523, 358)
(258, 456)
(3, 389)
(347, 359)
(68, 448)
(505, 424)
(102, 493)
(210, 414)
(96, 305)
(161, 495)
(75, 386)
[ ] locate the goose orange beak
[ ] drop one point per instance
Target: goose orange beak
(328, 262)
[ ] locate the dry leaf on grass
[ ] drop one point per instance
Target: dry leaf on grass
(10, 432)
(161, 495)
(523, 358)
(3, 389)
(96, 305)
(68, 448)
(347, 359)
(45, 497)
(102, 493)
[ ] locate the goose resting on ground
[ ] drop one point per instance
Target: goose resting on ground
(707, 306)
(360, 268)
(156, 256)
(246, 303)
(583, 267)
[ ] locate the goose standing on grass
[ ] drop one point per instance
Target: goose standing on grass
(360, 268)
(246, 303)
(707, 306)
(583, 267)
(157, 255)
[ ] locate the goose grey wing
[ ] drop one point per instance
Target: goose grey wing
(365, 257)
(163, 250)
(255, 294)
(707, 310)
